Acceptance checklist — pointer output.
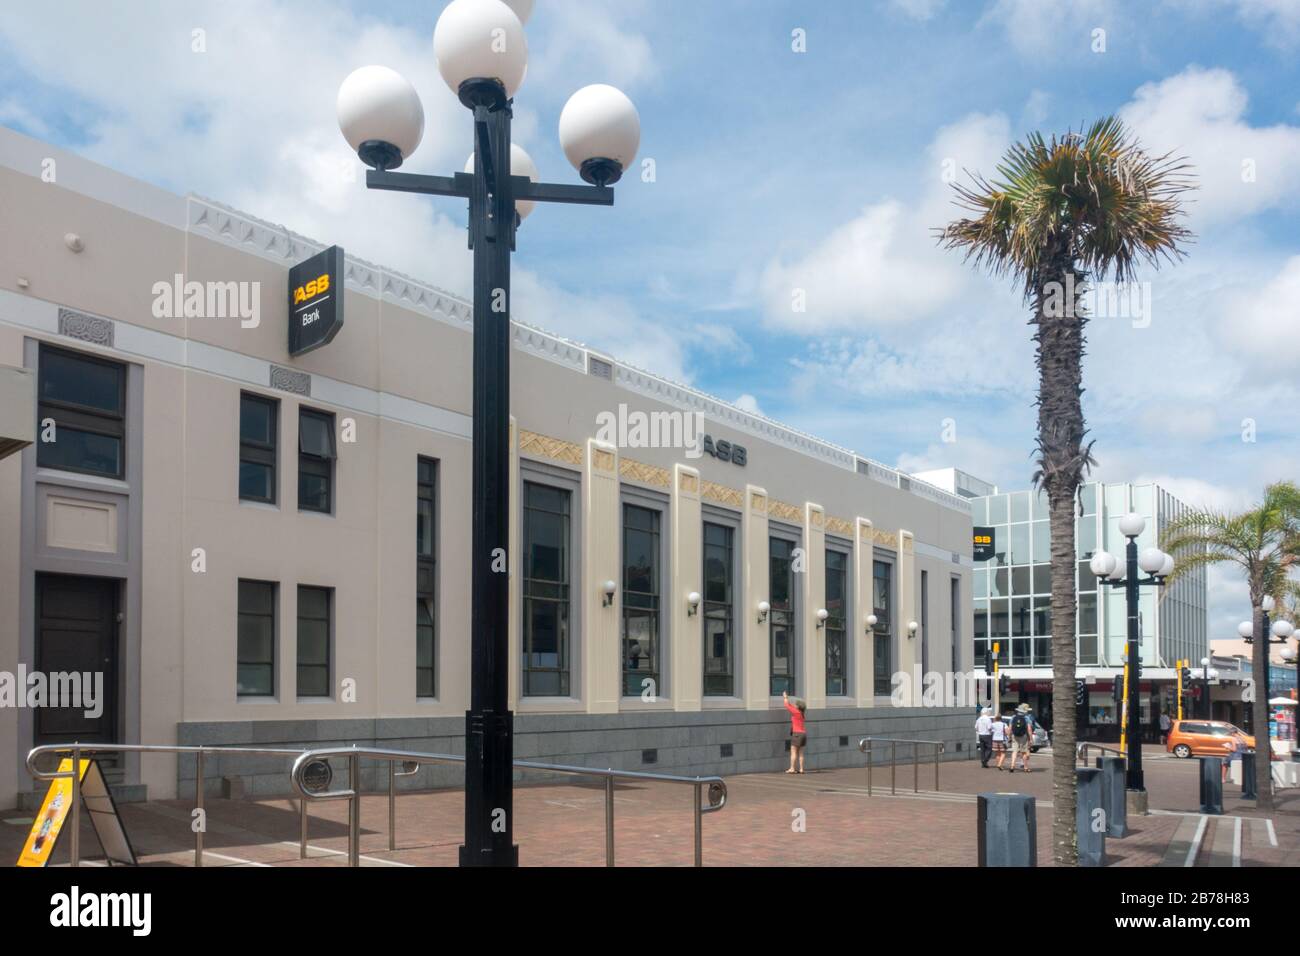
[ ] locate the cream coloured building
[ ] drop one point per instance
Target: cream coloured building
(251, 546)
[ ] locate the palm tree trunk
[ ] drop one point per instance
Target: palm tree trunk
(1062, 460)
(1259, 710)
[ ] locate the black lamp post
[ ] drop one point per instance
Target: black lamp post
(1276, 633)
(482, 54)
(1124, 573)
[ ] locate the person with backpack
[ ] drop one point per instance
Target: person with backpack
(1022, 736)
(999, 735)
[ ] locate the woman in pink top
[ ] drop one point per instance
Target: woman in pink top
(798, 731)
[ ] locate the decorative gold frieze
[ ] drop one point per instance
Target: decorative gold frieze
(888, 539)
(543, 446)
(602, 460)
(786, 512)
(818, 519)
(839, 526)
(689, 483)
(758, 502)
(722, 494)
(648, 474)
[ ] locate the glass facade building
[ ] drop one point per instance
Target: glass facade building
(1012, 597)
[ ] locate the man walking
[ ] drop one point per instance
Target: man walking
(1022, 736)
(1165, 724)
(984, 733)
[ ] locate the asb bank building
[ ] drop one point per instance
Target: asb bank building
(256, 543)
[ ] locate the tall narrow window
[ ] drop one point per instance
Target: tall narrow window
(837, 575)
(258, 419)
(925, 620)
(882, 594)
(86, 399)
(781, 618)
(316, 454)
(954, 600)
(641, 590)
(426, 577)
(255, 655)
(315, 607)
(546, 590)
(719, 611)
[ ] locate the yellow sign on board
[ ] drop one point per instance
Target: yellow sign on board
(49, 822)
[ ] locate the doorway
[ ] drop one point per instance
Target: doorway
(76, 632)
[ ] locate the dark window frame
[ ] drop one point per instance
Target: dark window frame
(328, 665)
(534, 590)
(426, 576)
(315, 465)
(274, 615)
(642, 604)
(721, 612)
(883, 632)
(261, 453)
(786, 616)
(837, 625)
(78, 417)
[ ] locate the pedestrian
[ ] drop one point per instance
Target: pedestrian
(984, 734)
(1022, 737)
(999, 739)
(798, 731)
(1165, 724)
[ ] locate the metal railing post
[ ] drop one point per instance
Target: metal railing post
(302, 828)
(198, 805)
(870, 761)
(392, 806)
(75, 847)
(893, 767)
(354, 811)
(938, 749)
(916, 768)
(699, 825)
(609, 821)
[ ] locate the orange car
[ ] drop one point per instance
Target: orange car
(1206, 738)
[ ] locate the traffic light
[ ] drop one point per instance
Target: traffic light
(1117, 692)
(988, 660)
(1004, 685)
(1080, 692)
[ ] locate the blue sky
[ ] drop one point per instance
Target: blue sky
(821, 170)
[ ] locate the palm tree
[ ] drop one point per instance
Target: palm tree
(1264, 542)
(1087, 205)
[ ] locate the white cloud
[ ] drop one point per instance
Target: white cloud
(748, 403)
(1043, 28)
(1240, 169)
(917, 9)
(1261, 322)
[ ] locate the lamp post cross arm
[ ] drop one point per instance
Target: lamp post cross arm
(460, 184)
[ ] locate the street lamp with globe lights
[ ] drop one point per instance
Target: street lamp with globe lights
(1123, 572)
(482, 54)
(1278, 632)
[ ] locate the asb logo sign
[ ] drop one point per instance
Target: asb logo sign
(315, 301)
(983, 543)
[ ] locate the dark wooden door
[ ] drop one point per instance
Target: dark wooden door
(76, 632)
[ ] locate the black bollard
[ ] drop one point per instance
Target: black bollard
(1212, 785)
(1090, 819)
(1248, 776)
(1008, 830)
(1114, 795)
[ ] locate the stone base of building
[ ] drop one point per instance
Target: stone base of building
(711, 742)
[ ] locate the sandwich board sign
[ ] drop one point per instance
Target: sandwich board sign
(98, 803)
(315, 300)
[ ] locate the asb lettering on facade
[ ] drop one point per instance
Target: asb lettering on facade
(724, 450)
(315, 301)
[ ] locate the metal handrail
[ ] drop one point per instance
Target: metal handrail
(1081, 751)
(717, 793)
(78, 750)
(865, 745)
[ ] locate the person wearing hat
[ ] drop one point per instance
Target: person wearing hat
(1022, 736)
(984, 734)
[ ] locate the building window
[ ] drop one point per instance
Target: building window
(86, 398)
(925, 621)
(315, 607)
(547, 612)
(954, 601)
(781, 618)
(719, 611)
(258, 420)
(882, 607)
(316, 456)
(426, 557)
(837, 577)
(641, 591)
(255, 654)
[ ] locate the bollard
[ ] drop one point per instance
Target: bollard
(1212, 785)
(1248, 776)
(1008, 829)
(1091, 827)
(1114, 797)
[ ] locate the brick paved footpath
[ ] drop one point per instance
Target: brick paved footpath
(564, 825)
